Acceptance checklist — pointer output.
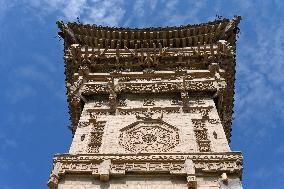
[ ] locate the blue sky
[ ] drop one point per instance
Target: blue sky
(34, 115)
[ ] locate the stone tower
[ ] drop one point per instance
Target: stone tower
(150, 108)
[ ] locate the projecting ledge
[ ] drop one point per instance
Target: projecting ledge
(104, 166)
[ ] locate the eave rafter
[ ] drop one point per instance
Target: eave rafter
(91, 48)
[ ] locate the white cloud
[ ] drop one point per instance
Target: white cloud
(74, 8)
(139, 7)
(107, 12)
(153, 4)
(260, 80)
(171, 15)
(144, 7)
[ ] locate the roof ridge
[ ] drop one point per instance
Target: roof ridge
(94, 26)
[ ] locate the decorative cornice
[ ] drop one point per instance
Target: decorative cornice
(105, 165)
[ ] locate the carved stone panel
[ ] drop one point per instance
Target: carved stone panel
(149, 136)
(96, 135)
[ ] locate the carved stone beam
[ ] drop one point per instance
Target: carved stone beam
(83, 71)
(82, 98)
(133, 53)
(104, 170)
(66, 32)
(230, 28)
(104, 51)
(112, 94)
(214, 69)
(54, 176)
(53, 181)
(184, 93)
(190, 174)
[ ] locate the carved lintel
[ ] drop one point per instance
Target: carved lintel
(155, 87)
(117, 169)
(196, 157)
(103, 166)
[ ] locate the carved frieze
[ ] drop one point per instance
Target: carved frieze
(151, 86)
(204, 156)
(200, 85)
(122, 103)
(148, 102)
(225, 166)
(148, 87)
(121, 164)
(148, 167)
(203, 111)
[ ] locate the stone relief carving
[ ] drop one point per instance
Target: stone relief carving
(204, 111)
(95, 136)
(83, 124)
(103, 166)
(149, 136)
(122, 102)
(149, 102)
(98, 103)
(175, 102)
(206, 157)
(201, 135)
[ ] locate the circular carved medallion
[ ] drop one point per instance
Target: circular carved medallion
(149, 137)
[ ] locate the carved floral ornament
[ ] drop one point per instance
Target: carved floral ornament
(149, 136)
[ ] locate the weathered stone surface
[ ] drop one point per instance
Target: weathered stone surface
(129, 182)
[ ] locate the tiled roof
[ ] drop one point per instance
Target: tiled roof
(178, 37)
(198, 41)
